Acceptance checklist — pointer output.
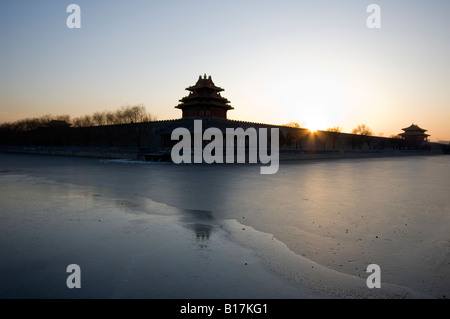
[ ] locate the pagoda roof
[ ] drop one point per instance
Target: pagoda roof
(205, 82)
(204, 94)
(413, 127)
(195, 96)
(204, 104)
(414, 134)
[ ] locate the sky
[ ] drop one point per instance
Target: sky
(312, 62)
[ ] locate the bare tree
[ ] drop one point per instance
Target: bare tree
(28, 124)
(292, 124)
(133, 114)
(295, 135)
(362, 129)
(333, 133)
(99, 118)
(77, 122)
(45, 119)
(365, 133)
(110, 118)
(119, 117)
(64, 117)
(87, 121)
(128, 114)
(336, 129)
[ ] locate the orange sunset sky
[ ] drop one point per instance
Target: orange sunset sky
(313, 62)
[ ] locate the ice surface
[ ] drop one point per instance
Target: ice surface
(158, 230)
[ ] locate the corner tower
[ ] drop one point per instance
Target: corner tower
(414, 133)
(204, 100)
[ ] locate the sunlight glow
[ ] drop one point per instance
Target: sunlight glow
(315, 123)
(318, 98)
(311, 61)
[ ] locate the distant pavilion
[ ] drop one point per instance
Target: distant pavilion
(204, 100)
(414, 133)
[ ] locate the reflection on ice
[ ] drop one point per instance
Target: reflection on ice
(309, 230)
(200, 222)
(202, 233)
(121, 255)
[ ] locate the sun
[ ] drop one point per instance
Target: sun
(315, 123)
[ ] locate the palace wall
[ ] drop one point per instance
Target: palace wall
(156, 136)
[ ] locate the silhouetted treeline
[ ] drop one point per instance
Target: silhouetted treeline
(30, 124)
(123, 127)
(124, 115)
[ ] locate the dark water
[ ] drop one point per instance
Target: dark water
(193, 231)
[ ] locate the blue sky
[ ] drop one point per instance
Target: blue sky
(314, 62)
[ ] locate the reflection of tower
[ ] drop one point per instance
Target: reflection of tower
(202, 232)
(204, 100)
(201, 222)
